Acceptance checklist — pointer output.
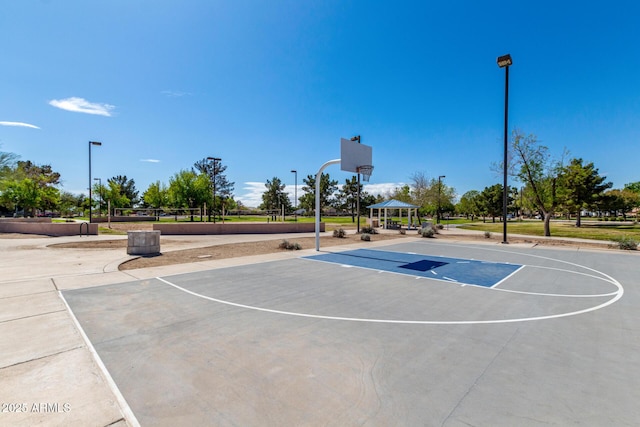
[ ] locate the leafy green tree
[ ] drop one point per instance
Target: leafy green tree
(189, 190)
(619, 201)
(156, 195)
(275, 197)
(30, 186)
(431, 193)
(581, 186)
(633, 186)
(127, 188)
(470, 204)
(70, 204)
(327, 189)
(114, 194)
(492, 200)
(534, 167)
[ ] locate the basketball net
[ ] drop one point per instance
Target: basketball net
(366, 171)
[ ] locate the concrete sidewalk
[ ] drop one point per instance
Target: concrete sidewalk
(49, 374)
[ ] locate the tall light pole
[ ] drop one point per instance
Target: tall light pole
(357, 138)
(99, 194)
(295, 208)
(213, 203)
(91, 143)
(439, 191)
(505, 62)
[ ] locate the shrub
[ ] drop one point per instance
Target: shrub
(366, 237)
(340, 233)
(368, 230)
(285, 244)
(427, 232)
(626, 243)
(487, 234)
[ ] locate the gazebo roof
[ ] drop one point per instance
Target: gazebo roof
(393, 204)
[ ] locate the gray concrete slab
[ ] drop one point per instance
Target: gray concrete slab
(60, 390)
(297, 342)
(36, 337)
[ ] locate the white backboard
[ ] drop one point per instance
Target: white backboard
(354, 155)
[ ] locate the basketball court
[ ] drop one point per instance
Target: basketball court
(418, 333)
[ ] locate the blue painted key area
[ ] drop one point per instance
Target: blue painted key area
(464, 271)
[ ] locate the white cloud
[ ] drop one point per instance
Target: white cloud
(253, 196)
(382, 188)
(174, 93)
(81, 105)
(150, 160)
(19, 124)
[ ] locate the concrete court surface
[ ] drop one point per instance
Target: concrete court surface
(304, 342)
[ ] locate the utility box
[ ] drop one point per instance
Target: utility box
(143, 242)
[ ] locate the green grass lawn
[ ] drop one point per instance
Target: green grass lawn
(589, 230)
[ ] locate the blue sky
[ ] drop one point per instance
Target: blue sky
(271, 86)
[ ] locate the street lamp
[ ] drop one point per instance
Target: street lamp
(357, 138)
(213, 203)
(439, 191)
(505, 62)
(295, 208)
(100, 194)
(91, 143)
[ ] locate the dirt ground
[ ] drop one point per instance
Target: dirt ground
(271, 246)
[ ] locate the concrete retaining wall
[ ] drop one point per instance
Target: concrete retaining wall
(49, 228)
(124, 219)
(236, 228)
(37, 219)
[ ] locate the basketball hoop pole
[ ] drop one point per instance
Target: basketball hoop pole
(318, 177)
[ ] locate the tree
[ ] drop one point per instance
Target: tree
(275, 197)
(619, 201)
(29, 186)
(189, 190)
(492, 200)
(70, 204)
(431, 193)
(533, 166)
(470, 204)
(223, 187)
(7, 162)
(156, 195)
(127, 188)
(347, 198)
(327, 188)
(581, 186)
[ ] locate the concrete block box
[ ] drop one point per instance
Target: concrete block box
(143, 242)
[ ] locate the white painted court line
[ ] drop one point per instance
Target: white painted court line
(124, 406)
(506, 277)
(616, 296)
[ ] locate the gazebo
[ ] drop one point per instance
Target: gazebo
(391, 204)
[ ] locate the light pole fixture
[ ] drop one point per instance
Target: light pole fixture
(213, 202)
(357, 138)
(91, 143)
(295, 207)
(99, 194)
(439, 192)
(505, 62)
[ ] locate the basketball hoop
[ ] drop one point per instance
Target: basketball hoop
(366, 171)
